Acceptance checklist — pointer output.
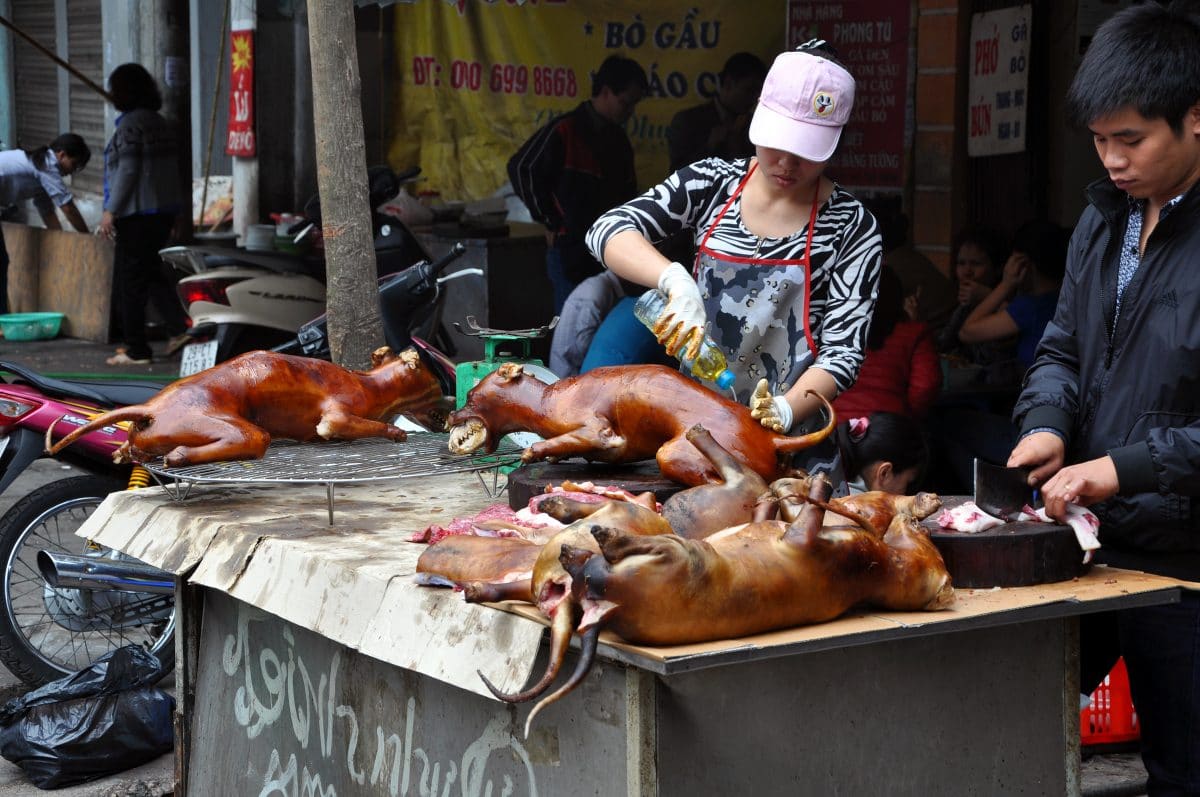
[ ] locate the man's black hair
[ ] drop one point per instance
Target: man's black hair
(71, 144)
(619, 73)
(743, 65)
(1145, 57)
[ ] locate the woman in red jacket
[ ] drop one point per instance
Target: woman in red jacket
(901, 372)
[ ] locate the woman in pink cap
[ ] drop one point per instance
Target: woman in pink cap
(788, 262)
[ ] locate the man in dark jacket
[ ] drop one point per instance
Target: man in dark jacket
(719, 127)
(1110, 410)
(578, 166)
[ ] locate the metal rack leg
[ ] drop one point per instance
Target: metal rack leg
(178, 489)
(495, 489)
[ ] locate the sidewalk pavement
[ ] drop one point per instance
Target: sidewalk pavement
(71, 356)
(1119, 774)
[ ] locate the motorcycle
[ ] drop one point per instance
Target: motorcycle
(410, 306)
(240, 300)
(67, 601)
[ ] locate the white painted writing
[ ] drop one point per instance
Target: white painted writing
(271, 684)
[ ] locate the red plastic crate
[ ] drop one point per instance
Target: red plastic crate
(1111, 718)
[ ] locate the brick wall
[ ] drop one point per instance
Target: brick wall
(938, 155)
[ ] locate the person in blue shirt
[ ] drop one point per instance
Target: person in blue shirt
(37, 174)
(1023, 301)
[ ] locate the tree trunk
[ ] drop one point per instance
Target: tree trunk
(355, 328)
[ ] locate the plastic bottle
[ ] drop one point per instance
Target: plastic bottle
(710, 361)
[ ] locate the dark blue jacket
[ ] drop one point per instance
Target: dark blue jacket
(1132, 392)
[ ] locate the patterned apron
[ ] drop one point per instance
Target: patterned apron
(758, 310)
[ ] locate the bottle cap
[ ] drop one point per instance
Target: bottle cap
(725, 379)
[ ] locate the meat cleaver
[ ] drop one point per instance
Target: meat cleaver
(1003, 492)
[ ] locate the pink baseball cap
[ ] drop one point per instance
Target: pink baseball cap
(805, 102)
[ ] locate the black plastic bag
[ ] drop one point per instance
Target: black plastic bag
(106, 718)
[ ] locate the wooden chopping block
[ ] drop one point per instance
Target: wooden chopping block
(1011, 555)
(638, 477)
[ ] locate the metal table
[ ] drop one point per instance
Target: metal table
(311, 661)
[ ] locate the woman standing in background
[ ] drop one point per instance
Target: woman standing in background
(142, 197)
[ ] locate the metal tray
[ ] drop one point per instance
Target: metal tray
(342, 462)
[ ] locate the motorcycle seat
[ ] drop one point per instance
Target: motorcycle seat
(106, 393)
(281, 262)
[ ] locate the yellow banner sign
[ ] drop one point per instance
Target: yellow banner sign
(476, 79)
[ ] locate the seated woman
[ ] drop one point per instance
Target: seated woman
(1023, 302)
(882, 451)
(585, 308)
(901, 372)
(979, 255)
(965, 433)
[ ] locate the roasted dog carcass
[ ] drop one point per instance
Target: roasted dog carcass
(761, 576)
(233, 410)
(621, 414)
(620, 567)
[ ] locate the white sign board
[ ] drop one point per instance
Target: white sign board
(997, 90)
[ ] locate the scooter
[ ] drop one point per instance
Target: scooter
(410, 306)
(66, 601)
(240, 300)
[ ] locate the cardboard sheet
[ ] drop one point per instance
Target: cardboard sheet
(271, 546)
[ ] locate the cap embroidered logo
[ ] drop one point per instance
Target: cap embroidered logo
(822, 103)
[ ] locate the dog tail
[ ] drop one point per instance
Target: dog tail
(130, 413)
(790, 445)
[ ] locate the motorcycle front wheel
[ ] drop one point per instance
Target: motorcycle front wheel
(48, 632)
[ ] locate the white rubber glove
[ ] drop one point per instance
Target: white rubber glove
(773, 412)
(682, 322)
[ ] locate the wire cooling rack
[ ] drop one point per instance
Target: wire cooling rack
(342, 462)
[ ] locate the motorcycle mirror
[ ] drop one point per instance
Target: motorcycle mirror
(408, 175)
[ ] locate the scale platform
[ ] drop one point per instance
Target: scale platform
(342, 462)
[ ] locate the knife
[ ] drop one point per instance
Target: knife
(1003, 492)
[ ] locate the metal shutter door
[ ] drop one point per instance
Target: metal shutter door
(85, 41)
(36, 83)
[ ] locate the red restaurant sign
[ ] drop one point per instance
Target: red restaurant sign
(240, 138)
(871, 39)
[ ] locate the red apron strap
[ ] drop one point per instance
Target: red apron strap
(704, 241)
(812, 223)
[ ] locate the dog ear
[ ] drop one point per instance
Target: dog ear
(381, 355)
(509, 371)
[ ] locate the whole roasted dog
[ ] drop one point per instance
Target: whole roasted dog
(233, 410)
(622, 414)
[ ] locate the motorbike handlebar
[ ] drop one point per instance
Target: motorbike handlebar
(432, 270)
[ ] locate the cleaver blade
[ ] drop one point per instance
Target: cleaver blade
(1002, 492)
